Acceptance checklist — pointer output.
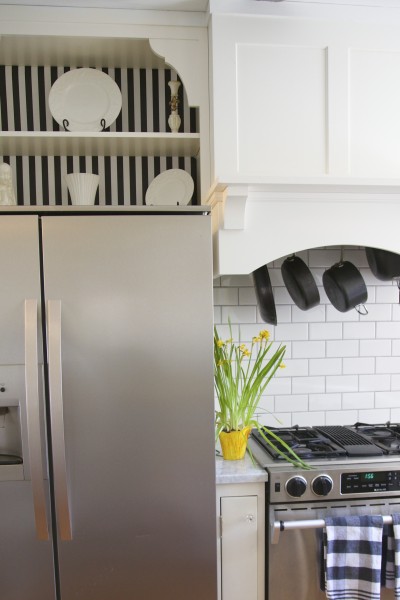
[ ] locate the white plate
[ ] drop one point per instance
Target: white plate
(174, 186)
(84, 97)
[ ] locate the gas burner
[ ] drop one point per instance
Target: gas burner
(386, 437)
(306, 442)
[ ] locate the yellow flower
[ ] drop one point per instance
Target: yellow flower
(282, 366)
(264, 334)
(257, 339)
(220, 344)
(244, 350)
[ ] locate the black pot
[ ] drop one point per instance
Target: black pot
(300, 283)
(384, 265)
(345, 287)
(265, 297)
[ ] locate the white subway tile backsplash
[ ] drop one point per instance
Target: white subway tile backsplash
(374, 415)
(236, 280)
(378, 312)
(342, 383)
(342, 348)
(279, 386)
(291, 403)
(308, 349)
(326, 366)
(395, 382)
(359, 330)
(339, 367)
(342, 417)
(225, 333)
(247, 295)
(388, 364)
(308, 419)
(217, 315)
(291, 331)
(395, 415)
(325, 331)
(386, 293)
(376, 348)
(239, 314)
(315, 314)
(308, 385)
(284, 313)
(325, 402)
(227, 296)
(332, 314)
(282, 296)
(387, 399)
(324, 257)
(376, 383)
(358, 365)
(295, 367)
(358, 400)
(276, 278)
(388, 330)
(248, 332)
(275, 420)
(396, 311)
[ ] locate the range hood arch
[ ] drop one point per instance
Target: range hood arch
(260, 225)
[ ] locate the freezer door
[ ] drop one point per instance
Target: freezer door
(133, 298)
(26, 557)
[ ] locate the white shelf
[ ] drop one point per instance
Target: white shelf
(55, 143)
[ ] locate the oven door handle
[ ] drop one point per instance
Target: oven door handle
(278, 526)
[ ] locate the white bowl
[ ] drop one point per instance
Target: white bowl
(82, 187)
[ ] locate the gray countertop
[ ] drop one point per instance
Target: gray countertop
(239, 471)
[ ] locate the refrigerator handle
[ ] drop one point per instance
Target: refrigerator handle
(33, 419)
(57, 419)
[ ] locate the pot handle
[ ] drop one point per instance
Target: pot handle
(361, 309)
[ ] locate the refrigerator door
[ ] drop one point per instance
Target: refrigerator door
(26, 555)
(137, 515)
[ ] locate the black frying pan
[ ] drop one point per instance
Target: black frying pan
(299, 282)
(265, 298)
(384, 265)
(345, 287)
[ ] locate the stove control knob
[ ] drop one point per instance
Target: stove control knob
(296, 486)
(322, 485)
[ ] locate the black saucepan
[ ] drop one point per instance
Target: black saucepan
(345, 287)
(384, 265)
(299, 282)
(265, 297)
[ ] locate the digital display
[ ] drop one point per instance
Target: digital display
(364, 482)
(378, 476)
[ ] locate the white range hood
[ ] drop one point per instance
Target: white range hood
(306, 131)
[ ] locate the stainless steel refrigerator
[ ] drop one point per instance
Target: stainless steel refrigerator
(106, 392)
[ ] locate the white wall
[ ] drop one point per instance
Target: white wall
(340, 367)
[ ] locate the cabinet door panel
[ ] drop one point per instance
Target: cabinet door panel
(239, 548)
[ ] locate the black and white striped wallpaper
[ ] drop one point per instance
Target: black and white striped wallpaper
(124, 180)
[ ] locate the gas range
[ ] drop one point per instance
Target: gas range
(346, 462)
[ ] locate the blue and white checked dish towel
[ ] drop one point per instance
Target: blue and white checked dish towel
(353, 557)
(391, 567)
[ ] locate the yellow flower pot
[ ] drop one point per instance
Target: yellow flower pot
(234, 443)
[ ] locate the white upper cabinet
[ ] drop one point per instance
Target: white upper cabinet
(305, 99)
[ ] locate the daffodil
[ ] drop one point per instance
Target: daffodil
(241, 375)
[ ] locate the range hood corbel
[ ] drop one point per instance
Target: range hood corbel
(256, 224)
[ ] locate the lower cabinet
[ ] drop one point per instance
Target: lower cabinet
(241, 541)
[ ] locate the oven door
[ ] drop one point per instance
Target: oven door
(294, 562)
